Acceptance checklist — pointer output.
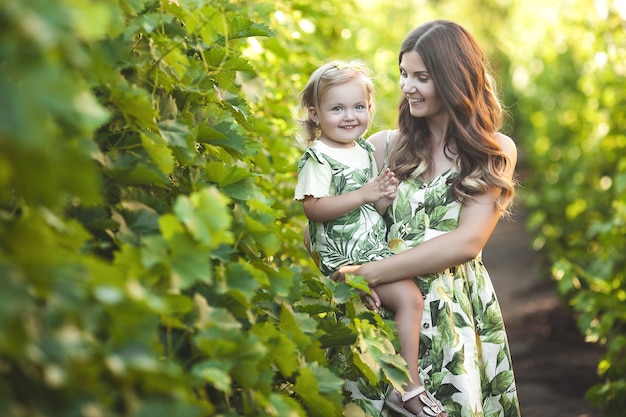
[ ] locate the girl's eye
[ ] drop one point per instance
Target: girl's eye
(336, 108)
(360, 107)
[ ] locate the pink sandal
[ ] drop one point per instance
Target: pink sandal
(432, 406)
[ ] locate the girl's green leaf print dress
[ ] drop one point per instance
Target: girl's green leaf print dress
(358, 236)
(464, 353)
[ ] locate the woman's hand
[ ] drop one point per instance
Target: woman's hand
(371, 300)
(340, 274)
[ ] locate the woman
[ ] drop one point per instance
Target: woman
(456, 172)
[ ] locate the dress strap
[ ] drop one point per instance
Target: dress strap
(386, 155)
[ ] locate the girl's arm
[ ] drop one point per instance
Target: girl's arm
(477, 221)
(328, 208)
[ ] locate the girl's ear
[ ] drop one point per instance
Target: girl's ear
(313, 114)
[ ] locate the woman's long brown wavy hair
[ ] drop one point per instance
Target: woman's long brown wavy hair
(459, 71)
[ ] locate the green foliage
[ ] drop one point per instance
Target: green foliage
(150, 252)
(572, 123)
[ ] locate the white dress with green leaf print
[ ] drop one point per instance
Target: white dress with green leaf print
(464, 356)
(358, 236)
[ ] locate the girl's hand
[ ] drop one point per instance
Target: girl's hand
(382, 187)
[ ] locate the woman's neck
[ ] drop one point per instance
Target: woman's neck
(438, 126)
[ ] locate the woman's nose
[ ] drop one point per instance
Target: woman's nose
(408, 86)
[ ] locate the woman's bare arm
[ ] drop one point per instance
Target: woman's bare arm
(477, 221)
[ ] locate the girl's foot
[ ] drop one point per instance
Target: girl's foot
(395, 403)
(415, 403)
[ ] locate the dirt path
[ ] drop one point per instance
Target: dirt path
(553, 365)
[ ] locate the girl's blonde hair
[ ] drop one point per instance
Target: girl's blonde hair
(328, 75)
(459, 71)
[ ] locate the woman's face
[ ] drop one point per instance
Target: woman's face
(418, 87)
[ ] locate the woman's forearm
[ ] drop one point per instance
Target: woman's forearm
(435, 255)
(477, 222)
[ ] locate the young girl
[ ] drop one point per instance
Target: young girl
(342, 195)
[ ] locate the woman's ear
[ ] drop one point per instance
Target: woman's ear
(313, 115)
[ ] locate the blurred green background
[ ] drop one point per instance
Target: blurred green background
(150, 251)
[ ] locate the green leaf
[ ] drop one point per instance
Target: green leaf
(327, 381)
(395, 369)
(140, 218)
(285, 406)
(180, 138)
(242, 190)
(338, 335)
(285, 355)
(135, 104)
(226, 175)
(365, 362)
(307, 388)
(358, 282)
(242, 281)
(240, 27)
(205, 216)
(134, 169)
(297, 325)
(158, 151)
(281, 281)
(240, 115)
(342, 292)
(215, 372)
(177, 63)
(239, 64)
(224, 136)
(262, 234)
(190, 264)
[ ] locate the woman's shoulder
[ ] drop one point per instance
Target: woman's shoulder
(379, 139)
(508, 146)
(506, 143)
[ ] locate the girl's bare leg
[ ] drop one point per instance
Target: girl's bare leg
(407, 303)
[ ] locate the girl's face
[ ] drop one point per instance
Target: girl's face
(343, 115)
(418, 87)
